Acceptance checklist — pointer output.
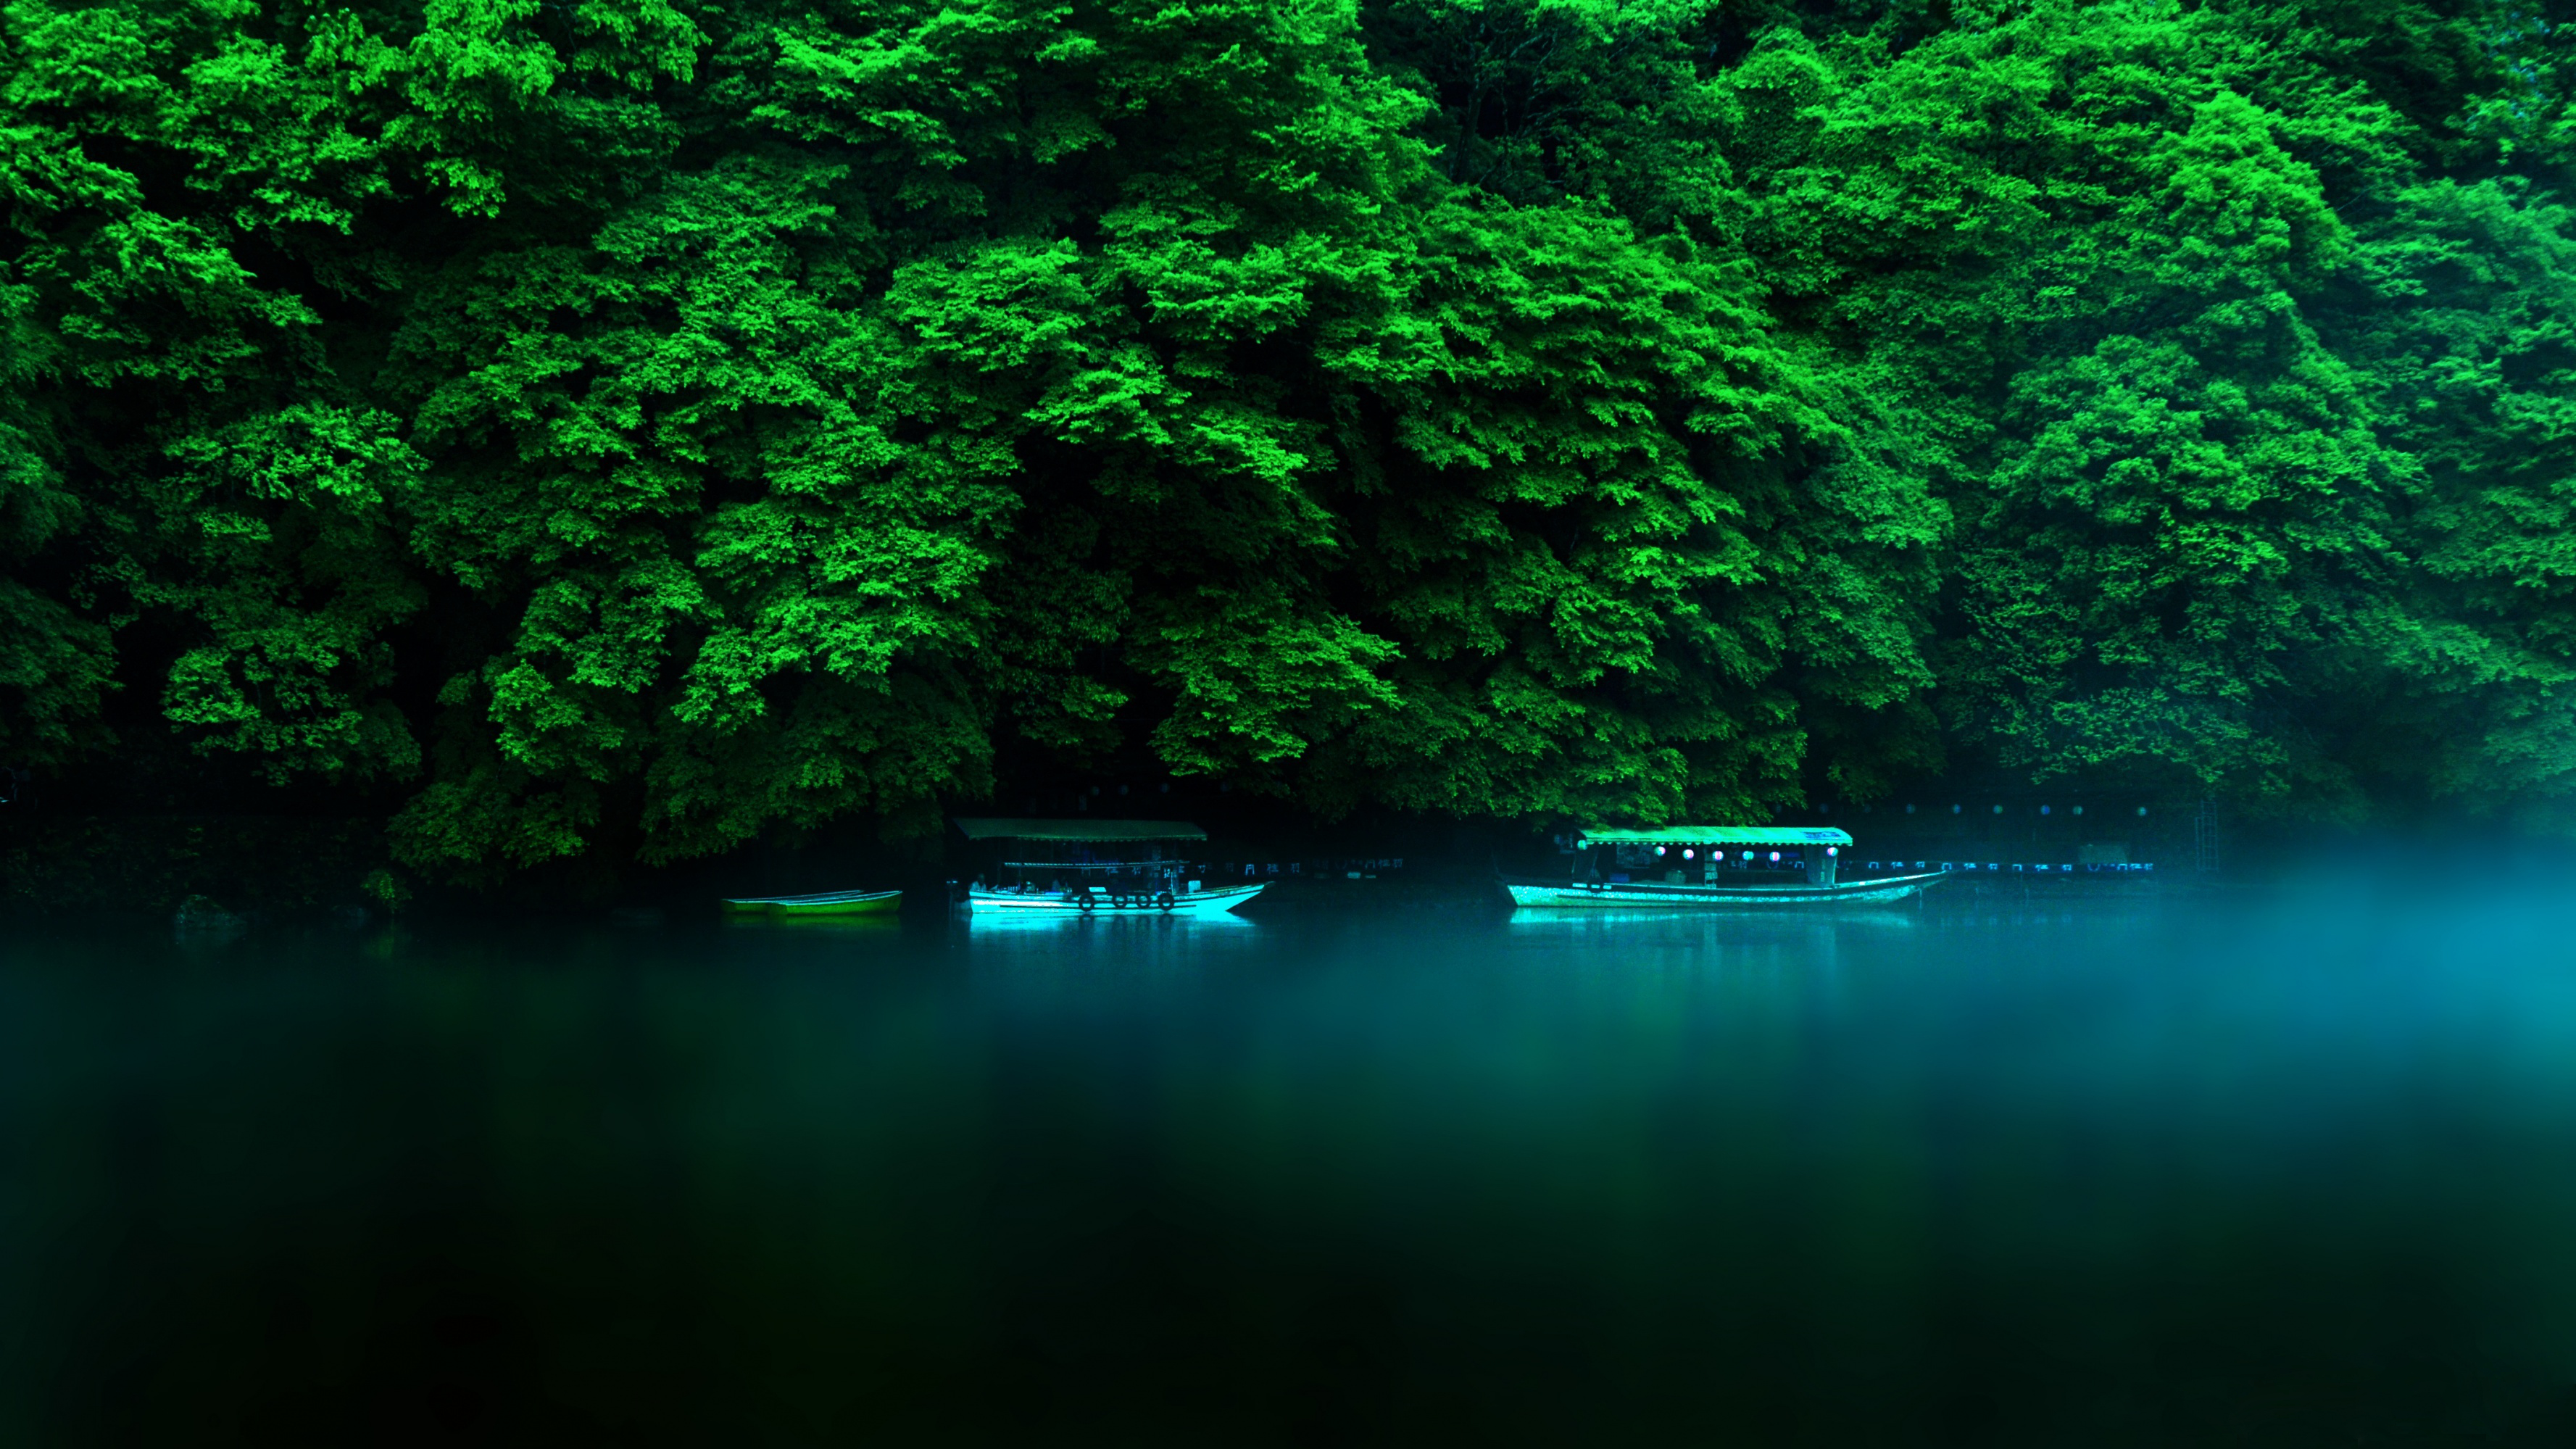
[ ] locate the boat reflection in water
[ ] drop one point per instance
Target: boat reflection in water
(883, 924)
(1577, 920)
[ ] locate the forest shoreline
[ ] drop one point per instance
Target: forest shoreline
(275, 869)
(623, 442)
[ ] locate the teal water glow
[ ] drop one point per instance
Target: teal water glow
(2294, 1171)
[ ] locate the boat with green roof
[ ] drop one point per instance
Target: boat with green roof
(1677, 866)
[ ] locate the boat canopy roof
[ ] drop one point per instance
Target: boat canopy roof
(1714, 835)
(1079, 830)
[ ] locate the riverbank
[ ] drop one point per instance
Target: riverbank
(285, 867)
(257, 867)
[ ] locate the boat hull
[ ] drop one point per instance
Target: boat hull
(1196, 903)
(830, 903)
(1664, 896)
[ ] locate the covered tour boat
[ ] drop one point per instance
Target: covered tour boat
(1674, 866)
(1093, 868)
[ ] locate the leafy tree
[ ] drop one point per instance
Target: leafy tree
(2470, 356)
(622, 428)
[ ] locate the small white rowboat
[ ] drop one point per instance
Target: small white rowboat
(829, 903)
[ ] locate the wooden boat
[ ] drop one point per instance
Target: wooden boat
(1094, 868)
(1710, 865)
(829, 903)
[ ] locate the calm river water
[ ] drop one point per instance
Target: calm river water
(2292, 1169)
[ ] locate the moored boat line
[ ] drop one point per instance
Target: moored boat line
(1085, 868)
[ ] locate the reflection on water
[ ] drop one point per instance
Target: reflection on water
(2285, 1173)
(1063, 926)
(847, 925)
(1727, 920)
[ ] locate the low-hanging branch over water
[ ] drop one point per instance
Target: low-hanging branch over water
(627, 425)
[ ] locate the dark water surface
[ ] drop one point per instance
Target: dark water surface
(2298, 1169)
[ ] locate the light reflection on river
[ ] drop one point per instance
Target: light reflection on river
(2284, 1171)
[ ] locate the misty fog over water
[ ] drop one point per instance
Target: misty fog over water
(2284, 1166)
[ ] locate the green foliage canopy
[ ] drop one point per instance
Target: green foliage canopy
(641, 423)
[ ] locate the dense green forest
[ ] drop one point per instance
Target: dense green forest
(628, 424)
